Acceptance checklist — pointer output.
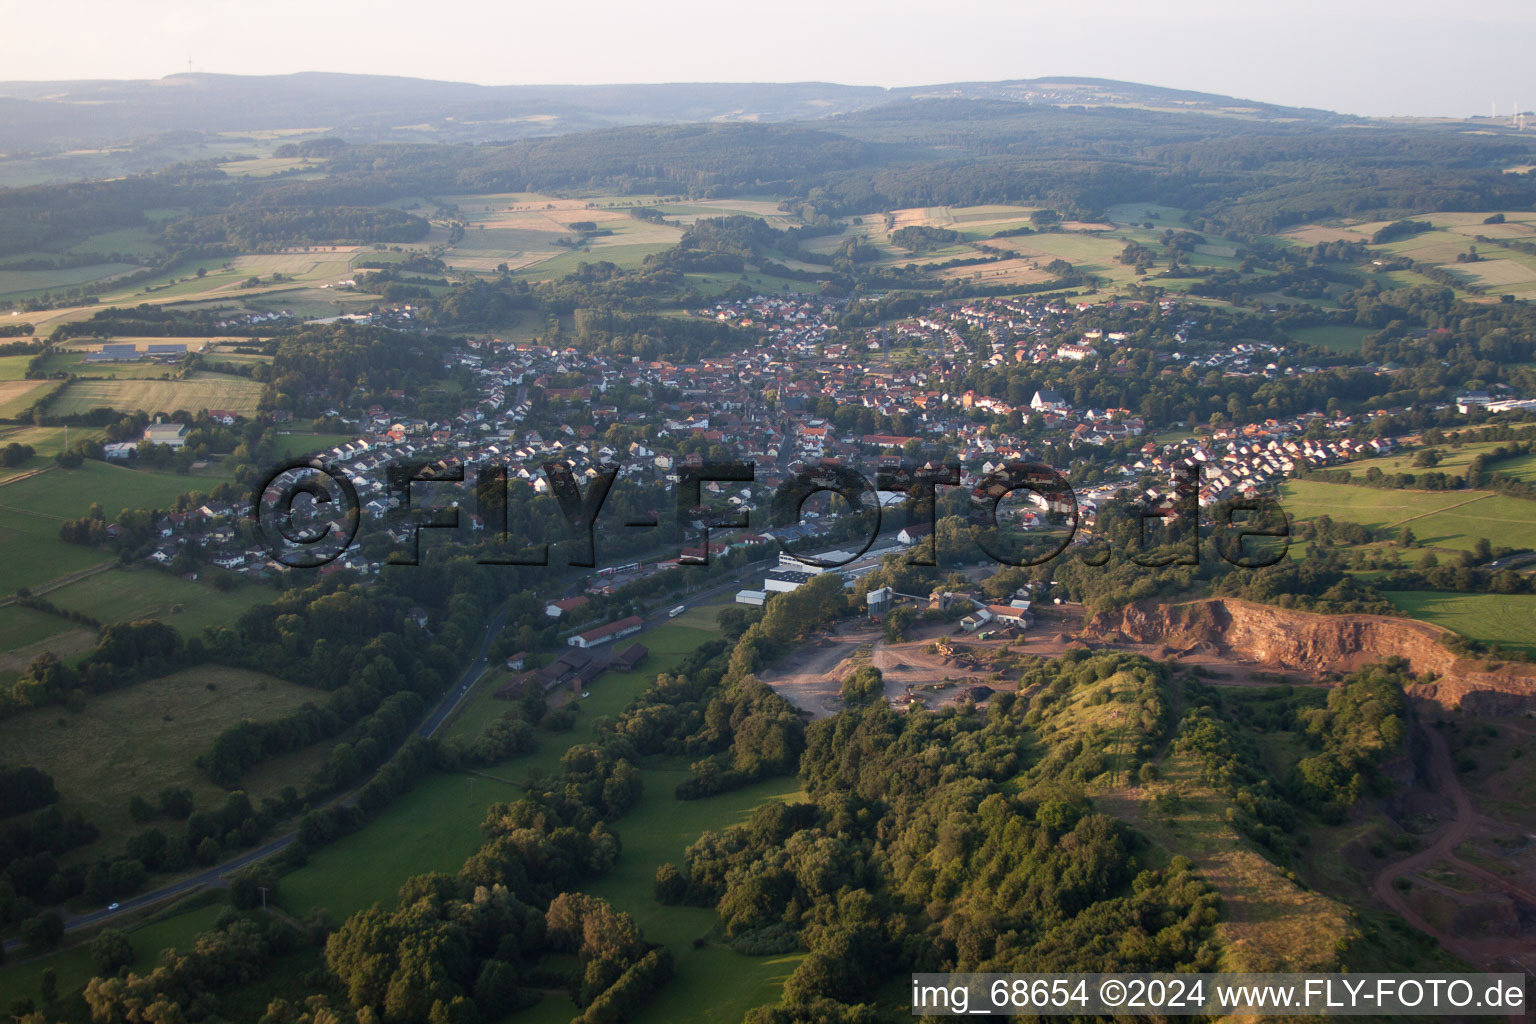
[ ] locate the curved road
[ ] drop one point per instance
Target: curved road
(214, 875)
(430, 725)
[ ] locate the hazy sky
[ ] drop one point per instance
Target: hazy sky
(1356, 56)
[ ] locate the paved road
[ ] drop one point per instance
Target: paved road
(434, 721)
(215, 875)
(451, 699)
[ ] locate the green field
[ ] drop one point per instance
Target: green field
(67, 493)
(46, 442)
(296, 444)
(126, 594)
(32, 510)
(1521, 467)
(74, 967)
(20, 627)
(15, 367)
(72, 362)
(436, 826)
(26, 282)
(200, 391)
(18, 396)
(1505, 619)
(34, 554)
(1443, 519)
(658, 830)
(1335, 337)
(138, 740)
(1454, 460)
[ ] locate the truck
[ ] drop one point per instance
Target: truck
(675, 612)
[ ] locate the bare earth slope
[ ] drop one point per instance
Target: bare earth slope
(1301, 641)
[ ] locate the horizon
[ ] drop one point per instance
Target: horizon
(1366, 59)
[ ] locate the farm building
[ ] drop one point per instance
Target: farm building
(114, 354)
(629, 658)
(606, 634)
(172, 435)
(555, 609)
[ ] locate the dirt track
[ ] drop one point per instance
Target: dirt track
(1491, 953)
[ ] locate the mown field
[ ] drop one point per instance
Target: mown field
(1501, 271)
(200, 390)
(138, 740)
(1452, 520)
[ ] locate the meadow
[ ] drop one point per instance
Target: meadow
(436, 826)
(19, 396)
(1451, 520)
(20, 283)
(33, 509)
(1508, 620)
(1500, 271)
(1334, 337)
(1454, 460)
(128, 594)
(45, 442)
(138, 740)
(295, 443)
(14, 367)
(22, 627)
(521, 230)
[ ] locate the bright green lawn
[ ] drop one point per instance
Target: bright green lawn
(1505, 619)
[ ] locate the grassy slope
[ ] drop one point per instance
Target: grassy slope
(140, 739)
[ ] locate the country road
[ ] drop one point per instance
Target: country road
(440, 714)
(214, 875)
